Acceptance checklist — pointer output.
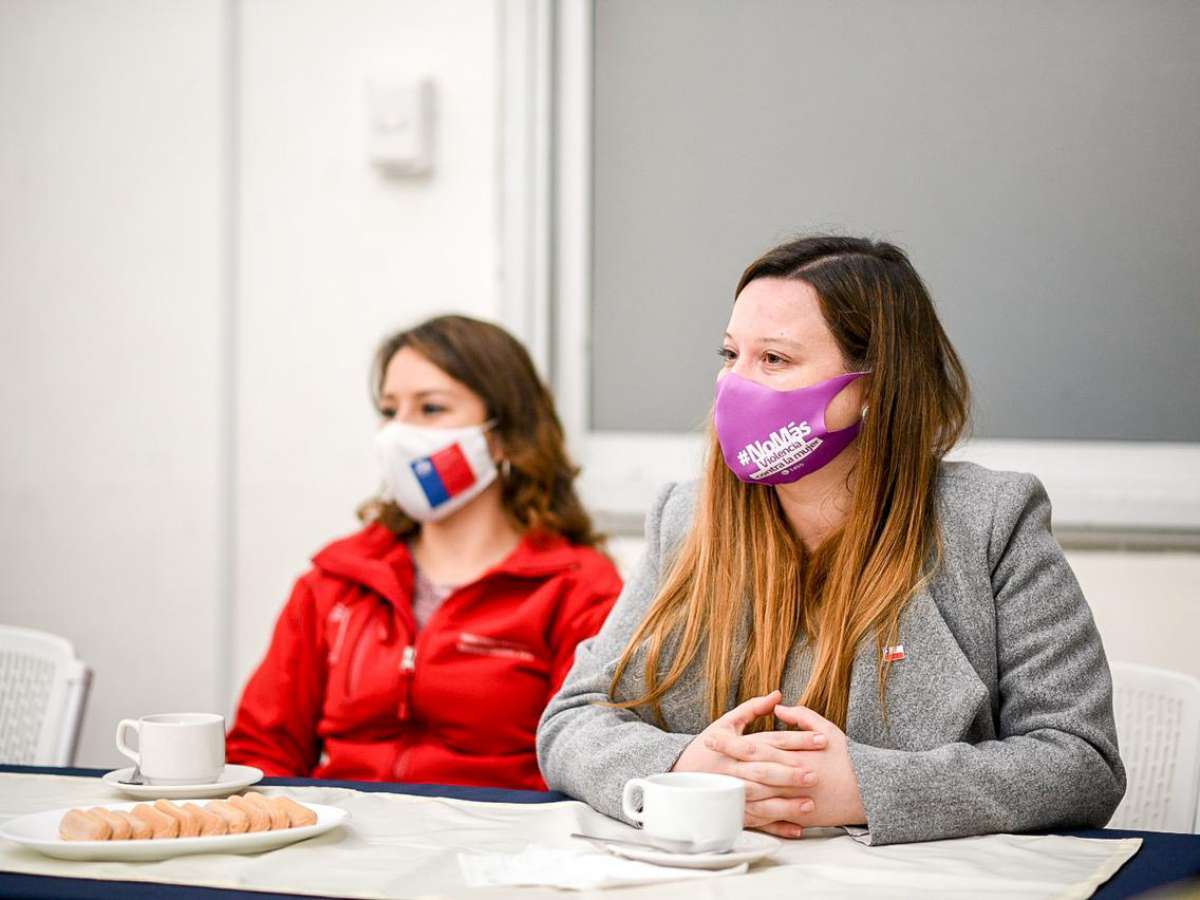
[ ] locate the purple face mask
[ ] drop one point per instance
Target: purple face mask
(777, 437)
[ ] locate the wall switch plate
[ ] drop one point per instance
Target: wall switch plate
(400, 122)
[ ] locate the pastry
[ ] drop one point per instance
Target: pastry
(189, 826)
(163, 819)
(259, 819)
(121, 829)
(298, 814)
(162, 825)
(279, 818)
(236, 820)
(210, 822)
(78, 825)
(141, 831)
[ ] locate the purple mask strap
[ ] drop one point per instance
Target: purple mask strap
(835, 386)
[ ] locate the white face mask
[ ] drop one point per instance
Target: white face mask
(431, 472)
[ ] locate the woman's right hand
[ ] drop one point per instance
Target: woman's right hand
(768, 766)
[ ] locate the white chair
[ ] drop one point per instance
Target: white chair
(1158, 728)
(43, 692)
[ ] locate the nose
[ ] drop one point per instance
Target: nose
(407, 412)
(744, 367)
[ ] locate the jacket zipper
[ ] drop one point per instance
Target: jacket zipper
(340, 615)
(408, 661)
(408, 666)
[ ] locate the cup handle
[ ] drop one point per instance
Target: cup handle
(631, 811)
(124, 747)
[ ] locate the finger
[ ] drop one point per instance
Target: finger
(745, 713)
(772, 773)
(803, 717)
(754, 747)
(740, 747)
(797, 810)
(782, 829)
(752, 819)
(794, 740)
(756, 791)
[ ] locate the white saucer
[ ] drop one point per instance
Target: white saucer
(233, 779)
(750, 846)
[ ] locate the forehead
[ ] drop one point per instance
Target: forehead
(408, 372)
(784, 308)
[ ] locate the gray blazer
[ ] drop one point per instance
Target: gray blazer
(999, 716)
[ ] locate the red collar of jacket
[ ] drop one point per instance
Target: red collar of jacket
(378, 559)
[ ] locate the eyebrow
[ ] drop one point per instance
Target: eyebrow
(429, 392)
(788, 342)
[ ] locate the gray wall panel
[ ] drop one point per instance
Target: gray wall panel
(1039, 161)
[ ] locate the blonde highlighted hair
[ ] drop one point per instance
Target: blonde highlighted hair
(741, 556)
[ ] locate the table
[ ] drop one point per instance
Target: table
(1164, 858)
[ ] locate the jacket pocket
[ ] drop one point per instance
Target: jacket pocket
(491, 646)
(366, 637)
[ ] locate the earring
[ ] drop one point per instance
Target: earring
(864, 412)
(505, 469)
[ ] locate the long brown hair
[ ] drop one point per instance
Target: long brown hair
(537, 486)
(741, 551)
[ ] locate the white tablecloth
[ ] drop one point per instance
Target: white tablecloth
(403, 846)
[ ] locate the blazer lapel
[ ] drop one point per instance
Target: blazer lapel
(933, 693)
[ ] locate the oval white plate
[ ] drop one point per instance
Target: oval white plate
(750, 846)
(39, 831)
(233, 779)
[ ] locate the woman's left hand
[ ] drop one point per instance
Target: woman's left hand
(835, 794)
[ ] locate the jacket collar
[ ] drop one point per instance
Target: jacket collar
(377, 559)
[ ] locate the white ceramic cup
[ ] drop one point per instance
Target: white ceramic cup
(176, 748)
(687, 812)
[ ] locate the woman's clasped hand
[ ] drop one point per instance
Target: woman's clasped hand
(794, 779)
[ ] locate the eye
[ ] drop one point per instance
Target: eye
(727, 354)
(388, 413)
(432, 409)
(774, 359)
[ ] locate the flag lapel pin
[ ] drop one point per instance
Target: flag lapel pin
(893, 654)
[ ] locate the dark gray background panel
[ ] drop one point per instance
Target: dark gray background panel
(1040, 161)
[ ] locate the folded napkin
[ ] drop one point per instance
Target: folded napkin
(578, 870)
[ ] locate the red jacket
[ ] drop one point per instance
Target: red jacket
(350, 690)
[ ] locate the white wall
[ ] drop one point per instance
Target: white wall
(115, 249)
(333, 256)
(1147, 605)
(110, 300)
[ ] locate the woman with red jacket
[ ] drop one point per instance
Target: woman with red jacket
(425, 647)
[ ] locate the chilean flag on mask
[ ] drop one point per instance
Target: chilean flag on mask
(443, 475)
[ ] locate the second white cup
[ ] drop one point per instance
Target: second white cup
(687, 812)
(176, 748)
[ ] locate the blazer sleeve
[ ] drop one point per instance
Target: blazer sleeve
(275, 727)
(1055, 762)
(588, 750)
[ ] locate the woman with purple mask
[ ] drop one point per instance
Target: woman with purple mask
(863, 632)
